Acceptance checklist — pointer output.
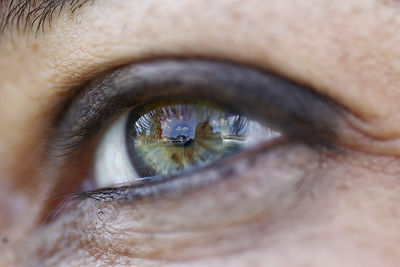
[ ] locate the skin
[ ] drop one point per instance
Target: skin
(318, 208)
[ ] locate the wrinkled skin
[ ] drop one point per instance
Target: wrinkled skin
(294, 207)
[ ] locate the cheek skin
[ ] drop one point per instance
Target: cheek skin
(323, 215)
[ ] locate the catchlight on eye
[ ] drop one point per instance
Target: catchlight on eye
(169, 137)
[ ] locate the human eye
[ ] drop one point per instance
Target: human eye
(160, 121)
(167, 137)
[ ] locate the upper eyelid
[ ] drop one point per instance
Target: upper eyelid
(260, 92)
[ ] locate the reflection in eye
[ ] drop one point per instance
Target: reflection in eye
(169, 137)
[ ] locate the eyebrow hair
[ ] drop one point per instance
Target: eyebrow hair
(33, 15)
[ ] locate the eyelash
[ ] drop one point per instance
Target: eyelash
(205, 176)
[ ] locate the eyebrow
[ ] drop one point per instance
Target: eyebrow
(34, 15)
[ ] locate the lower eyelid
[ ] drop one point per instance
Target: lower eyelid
(151, 188)
(264, 188)
(224, 169)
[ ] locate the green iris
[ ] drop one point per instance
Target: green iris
(167, 138)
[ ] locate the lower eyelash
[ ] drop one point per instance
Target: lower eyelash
(224, 169)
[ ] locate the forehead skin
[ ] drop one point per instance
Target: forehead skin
(348, 50)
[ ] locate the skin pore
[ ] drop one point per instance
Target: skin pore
(342, 211)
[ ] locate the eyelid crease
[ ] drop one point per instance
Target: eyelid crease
(275, 101)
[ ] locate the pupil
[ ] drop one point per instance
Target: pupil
(165, 139)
